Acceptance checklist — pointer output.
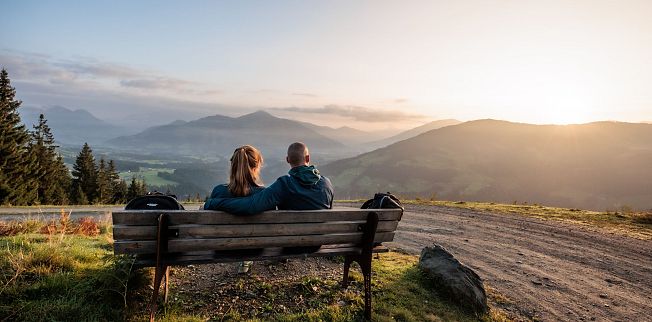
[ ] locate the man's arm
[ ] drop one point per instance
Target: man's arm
(267, 199)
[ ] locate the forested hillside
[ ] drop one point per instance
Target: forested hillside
(595, 166)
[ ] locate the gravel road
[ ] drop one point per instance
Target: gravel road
(550, 270)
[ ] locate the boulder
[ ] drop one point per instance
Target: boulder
(453, 279)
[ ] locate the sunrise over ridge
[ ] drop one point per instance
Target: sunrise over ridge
(326, 160)
(536, 62)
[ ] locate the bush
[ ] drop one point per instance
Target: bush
(644, 218)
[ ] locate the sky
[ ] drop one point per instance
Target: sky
(366, 64)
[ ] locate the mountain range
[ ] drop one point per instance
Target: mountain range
(602, 165)
(72, 126)
(218, 135)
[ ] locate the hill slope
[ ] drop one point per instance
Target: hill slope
(219, 135)
(413, 132)
(345, 135)
(595, 166)
(72, 127)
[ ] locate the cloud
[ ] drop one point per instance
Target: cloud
(305, 94)
(400, 100)
(156, 83)
(89, 73)
(358, 113)
(98, 69)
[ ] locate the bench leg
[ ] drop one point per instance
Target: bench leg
(158, 276)
(347, 264)
(161, 269)
(364, 260)
(365, 265)
(166, 287)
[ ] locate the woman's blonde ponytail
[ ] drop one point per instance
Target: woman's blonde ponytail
(245, 170)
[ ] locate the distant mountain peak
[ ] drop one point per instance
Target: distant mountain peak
(260, 114)
(58, 108)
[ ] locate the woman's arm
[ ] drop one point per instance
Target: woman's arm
(266, 199)
(220, 191)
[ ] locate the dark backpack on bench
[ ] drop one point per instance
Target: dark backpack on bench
(382, 201)
(153, 201)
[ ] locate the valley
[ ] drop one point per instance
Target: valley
(599, 166)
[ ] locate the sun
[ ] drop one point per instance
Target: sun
(567, 115)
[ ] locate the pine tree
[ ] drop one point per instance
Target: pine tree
(120, 193)
(114, 181)
(31, 177)
(104, 194)
(50, 173)
(59, 194)
(84, 176)
(78, 196)
(134, 189)
(142, 188)
(14, 139)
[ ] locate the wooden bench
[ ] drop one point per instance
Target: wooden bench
(167, 238)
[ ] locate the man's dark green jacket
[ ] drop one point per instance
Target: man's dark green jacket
(302, 189)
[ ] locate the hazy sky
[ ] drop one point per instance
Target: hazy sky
(334, 62)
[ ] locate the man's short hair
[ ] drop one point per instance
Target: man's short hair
(297, 152)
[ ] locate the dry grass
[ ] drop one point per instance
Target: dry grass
(86, 226)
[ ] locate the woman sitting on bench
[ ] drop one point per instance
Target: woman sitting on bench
(244, 180)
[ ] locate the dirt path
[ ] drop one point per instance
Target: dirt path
(551, 270)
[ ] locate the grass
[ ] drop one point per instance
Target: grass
(75, 278)
(624, 221)
(150, 175)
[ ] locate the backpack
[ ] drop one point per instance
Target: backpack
(154, 200)
(382, 201)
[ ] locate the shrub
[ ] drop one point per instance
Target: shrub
(644, 218)
(86, 226)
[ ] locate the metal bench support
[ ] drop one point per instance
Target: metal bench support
(161, 270)
(364, 260)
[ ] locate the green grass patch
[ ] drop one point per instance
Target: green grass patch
(150, 175)
(62, 278)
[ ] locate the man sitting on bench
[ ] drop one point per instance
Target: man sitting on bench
(302, 189)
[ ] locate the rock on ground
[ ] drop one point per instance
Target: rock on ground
(451, 277)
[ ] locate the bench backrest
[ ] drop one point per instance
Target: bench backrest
(135, 231)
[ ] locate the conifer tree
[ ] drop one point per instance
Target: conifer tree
(142, 188)
(78, 196)
(113, 179)
(133, 190)
(84, 176)
(120, 192)
(60, 193)
(104, 194)
(136, 188)
(49, 172)
(14, 139)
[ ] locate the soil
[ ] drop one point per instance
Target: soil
(217, 291)
(549, 270)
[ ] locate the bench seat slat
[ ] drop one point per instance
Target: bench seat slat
(234, 256)
(180, 217)
(122, 232)
(183, 245)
